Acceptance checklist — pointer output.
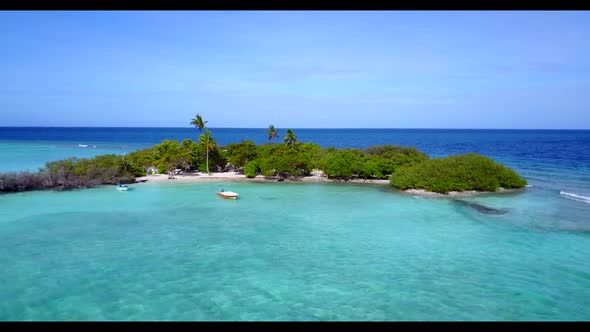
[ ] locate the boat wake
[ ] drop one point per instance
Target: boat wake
(575, 197)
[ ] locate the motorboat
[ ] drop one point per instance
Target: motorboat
(227, 194)
(122, 187)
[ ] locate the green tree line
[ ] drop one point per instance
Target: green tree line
(406, 167)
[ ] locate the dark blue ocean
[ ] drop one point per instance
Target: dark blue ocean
(567, 148)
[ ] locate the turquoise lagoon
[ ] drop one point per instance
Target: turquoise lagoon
(290, 251)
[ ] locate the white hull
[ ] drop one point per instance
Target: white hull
(227, 194)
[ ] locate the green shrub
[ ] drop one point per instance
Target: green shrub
(203, 168)
(370, 169)
(171, 155)
(390, 157)
(508, 178)
(239, 154)
(168, 154)
(142, 158)
(76, 173)
(344, 164)
(320, 156)
(338, 167)
(23, 181)
(193, 152)
(292, 159)
(250, 169)
(456, 173)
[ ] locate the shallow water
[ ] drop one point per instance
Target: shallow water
(288, 252)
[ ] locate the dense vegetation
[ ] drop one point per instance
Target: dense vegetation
(373, 162)
(73, 173)
(188, 155)
(457, 173)
(405, 166)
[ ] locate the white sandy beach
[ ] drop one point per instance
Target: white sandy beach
(234, 176)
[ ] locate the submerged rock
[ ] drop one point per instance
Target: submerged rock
(481, 208)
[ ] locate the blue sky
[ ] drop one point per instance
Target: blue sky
(324, 69)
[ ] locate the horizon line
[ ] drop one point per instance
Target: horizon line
(333, 128)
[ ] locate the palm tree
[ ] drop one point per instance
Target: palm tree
(290, 138)
(209, 144)
(198, 122)
(124, 153)
(272, 133)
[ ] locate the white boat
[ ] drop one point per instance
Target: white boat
(83, 145)
(122, 187)
(227, 194)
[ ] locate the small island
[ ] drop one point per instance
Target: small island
(404, 168)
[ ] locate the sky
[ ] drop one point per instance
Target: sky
(300, 69)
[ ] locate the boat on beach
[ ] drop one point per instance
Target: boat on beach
(227, 194)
